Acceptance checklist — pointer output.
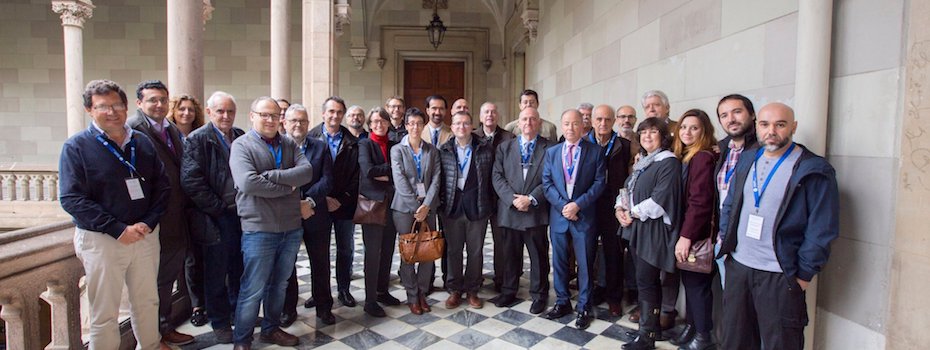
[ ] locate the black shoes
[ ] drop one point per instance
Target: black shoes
(558, 311)
(388, 299)
(701, 341)
(583, 321)
(346, 298)
(310, 303)
(199, 318)
(374, 310)
(288, 318)
(687, 333)
(504, 300)
(538, 306)
(326, 317)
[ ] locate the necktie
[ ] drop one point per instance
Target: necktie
(436, 137)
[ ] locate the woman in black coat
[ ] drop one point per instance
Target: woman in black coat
(375, 184)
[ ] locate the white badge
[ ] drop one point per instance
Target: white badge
(421, 190)
(570, 189)
(754, 227)
(135, 188)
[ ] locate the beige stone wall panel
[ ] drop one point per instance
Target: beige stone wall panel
(689, 26)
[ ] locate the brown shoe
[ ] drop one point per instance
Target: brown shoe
(415, 308)
(634, 315)
(163, 346)
(423, 304)
(279, 337)
(246, 346)
(455, 299)
(615, 309)
(474, 301)
(176, 338)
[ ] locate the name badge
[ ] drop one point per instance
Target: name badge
(134, 187)
(754, 227)
(421, 190)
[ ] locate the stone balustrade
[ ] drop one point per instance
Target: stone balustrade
(38, 265)
(29, 195)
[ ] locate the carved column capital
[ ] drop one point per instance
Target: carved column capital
(343, 16)
(530, 22)
(359, 54)
(207, 14)
(73, 12)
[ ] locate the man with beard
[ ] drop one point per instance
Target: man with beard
(625, 124)
(436, 131)
(777, 222)
(395, 107)
(355, 122)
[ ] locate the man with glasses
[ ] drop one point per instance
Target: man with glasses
(267, 169)
(395, 107)
(152, 103)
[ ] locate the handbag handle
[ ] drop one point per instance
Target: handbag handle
(413, 229)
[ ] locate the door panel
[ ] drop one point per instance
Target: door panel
(425, 78)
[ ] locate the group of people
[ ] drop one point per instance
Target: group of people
(167, 194)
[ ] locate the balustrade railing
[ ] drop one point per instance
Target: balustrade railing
(28, 182)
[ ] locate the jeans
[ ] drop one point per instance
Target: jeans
(268, 260)
(345, 252)
(222, 264)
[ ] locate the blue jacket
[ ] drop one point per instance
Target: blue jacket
(807, 220)
(589, 184)
(317, 153)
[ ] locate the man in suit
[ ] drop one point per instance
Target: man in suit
(341, 201)
(573, 179)
(152, 100)
(616, 150)
(436, 131)
(522, 213)
(494, 135)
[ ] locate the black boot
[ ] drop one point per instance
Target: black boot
(684, 336)
(648, 329)
(701, 341)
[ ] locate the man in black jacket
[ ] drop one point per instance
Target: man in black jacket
(343, 196)
(206, 178)
(489, 130)
(465, 206)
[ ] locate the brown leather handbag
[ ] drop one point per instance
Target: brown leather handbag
(700, 256)
(421, 244)
(370, 212)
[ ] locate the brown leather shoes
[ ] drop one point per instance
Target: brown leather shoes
(634, 315)
(423, 304)
(474, 301)
(243, 346)
(455, 299)
(280, 338)
(415, 308)
(176, 338)
(616, 309)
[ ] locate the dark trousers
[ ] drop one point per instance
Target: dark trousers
(415, 277)
(648, 282)
(763, 309)
(670, 284)
(344, 233)
(582, 244)
(222, 271)
(379, 244)
(193, 274)
(613, 266)
(170, 266)
(498, 239)
(699, 300)
(464, 237)
(537, 244)
(317, 239)
(629, 269)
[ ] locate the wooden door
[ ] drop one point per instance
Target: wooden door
(425, 78)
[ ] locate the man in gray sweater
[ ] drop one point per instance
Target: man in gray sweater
(268, 170)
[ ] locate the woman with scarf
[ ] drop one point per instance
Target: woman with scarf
(648, 211)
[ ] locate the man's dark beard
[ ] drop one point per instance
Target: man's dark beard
(740, 133)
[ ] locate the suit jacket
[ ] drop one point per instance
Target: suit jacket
(507, 178)
(404, 173)
(444, 134)
(371, 165)
(617, 166)
(321, 183)
(174, 226)
(589, 184)
(345, 172)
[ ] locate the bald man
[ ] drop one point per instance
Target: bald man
(777, 222)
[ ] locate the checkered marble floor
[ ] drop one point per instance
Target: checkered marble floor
(463, 328)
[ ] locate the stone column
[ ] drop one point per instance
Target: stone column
(280, 49)
(185, 48)
(318, 54)
(73, 14)
(812, 97)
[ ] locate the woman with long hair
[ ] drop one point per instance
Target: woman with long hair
(693, 144)
(185, 112)
(650, 216)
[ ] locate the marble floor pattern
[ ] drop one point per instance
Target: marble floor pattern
(463, 328)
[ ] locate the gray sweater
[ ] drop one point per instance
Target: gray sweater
(267, 200)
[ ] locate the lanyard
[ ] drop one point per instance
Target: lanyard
(275, 151)
(417, 158)
(464, 162)
(221, 137)
(525, 156)
(756, 191)
(570, 170)
(610, 144)
(131, 164)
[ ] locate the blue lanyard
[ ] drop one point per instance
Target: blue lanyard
(333, 142)
(570, 170)
(221, 137)
(756, 192)
(417, 158)
(131, 164)
(610, 144)
(275, 151)
(525, 157)
(464, 162)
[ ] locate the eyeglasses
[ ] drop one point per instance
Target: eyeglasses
(298, 121)
(153, 100)
(267, 116)
(106, 108)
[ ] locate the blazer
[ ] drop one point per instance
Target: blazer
(371, 165)
(589, 184)
(345, 172)
(321, 183)
(173, 223)
(404, 173)
(507, 178)
(617, 167)
(445, 133)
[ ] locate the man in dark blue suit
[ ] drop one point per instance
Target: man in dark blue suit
(573, 179)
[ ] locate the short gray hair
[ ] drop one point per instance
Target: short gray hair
(585, 105)
(294, 108)
(658, 93)
(217, 96)
(354, 107)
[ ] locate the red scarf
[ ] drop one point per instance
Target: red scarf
(382, 142)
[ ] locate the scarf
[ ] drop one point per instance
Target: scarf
(382, 142)
(640, 166)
